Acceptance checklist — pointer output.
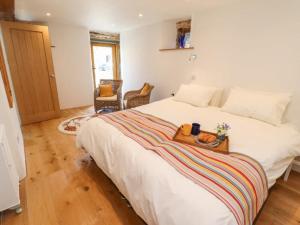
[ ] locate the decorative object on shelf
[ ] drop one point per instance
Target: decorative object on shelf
(181, 39)
(222, 130)
(183, 33)
(183, 36)
(187, 40)
(174, 49)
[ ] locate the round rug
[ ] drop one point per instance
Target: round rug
(72, 125)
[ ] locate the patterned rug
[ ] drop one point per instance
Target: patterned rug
(72, 125)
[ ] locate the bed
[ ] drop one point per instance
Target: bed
(159, 193)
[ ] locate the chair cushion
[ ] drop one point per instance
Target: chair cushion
(145, 90)
(110, 98)
(106, 90)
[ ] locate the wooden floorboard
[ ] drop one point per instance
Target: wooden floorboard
(65, 187)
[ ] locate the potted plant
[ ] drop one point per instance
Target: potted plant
(222, 130)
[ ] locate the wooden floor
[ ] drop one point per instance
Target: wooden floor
(65, 187)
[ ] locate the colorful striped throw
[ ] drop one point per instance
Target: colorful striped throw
(237, 180)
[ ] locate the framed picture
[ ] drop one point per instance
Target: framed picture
(5, 79)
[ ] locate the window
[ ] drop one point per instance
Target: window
(105, 62)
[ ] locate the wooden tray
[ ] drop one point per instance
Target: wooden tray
(222, 148)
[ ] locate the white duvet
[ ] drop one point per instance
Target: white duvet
(161, 195)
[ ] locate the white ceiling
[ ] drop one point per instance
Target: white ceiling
(111, 15)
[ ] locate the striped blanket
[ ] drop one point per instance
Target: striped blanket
(235, 179)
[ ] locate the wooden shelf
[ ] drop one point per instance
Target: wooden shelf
(175, 49)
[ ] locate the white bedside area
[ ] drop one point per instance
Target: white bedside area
(296, 162)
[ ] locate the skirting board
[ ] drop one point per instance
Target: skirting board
(296, 168)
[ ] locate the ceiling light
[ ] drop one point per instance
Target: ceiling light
(141, 15)
(48, 14)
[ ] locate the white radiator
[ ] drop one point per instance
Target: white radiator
(9, 179)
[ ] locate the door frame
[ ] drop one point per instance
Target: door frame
(115, 59)
(5, 78)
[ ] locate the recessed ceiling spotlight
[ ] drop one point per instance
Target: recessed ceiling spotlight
(141, 15)
(48, 14)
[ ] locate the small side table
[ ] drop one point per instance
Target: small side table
(288, 171)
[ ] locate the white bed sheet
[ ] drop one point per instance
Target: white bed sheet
(160, 194)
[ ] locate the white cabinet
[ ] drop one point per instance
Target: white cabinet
(9, 179)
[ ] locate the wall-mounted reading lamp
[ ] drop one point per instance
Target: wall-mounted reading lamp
(192, 58)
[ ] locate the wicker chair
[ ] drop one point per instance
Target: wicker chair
(134, 98)
(113, 102)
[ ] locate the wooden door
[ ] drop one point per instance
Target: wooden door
(30, 61)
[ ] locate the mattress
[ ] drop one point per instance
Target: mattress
(158, 192)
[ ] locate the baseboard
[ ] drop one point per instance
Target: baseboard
(296, 168)
(78, 107)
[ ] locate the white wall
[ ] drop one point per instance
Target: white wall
(142, 62)
(254, 44)
(72, 64)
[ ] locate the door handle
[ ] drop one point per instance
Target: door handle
(52, 75)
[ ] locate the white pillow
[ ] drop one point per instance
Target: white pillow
(195, 95)
(216, 98)
(266, 106)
